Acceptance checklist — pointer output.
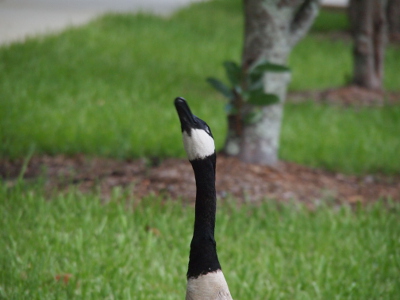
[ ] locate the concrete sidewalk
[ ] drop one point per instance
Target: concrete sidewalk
(23, 18)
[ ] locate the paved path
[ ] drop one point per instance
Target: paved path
(22, 18)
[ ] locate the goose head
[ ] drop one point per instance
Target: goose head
(197, 137)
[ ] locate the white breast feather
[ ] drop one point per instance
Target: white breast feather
(198, 145)
(211, 286)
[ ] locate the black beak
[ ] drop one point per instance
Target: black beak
(185, 115)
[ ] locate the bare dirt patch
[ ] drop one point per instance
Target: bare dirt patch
(173, 178)
(353, 96)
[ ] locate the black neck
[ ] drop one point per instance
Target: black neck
(203, 253)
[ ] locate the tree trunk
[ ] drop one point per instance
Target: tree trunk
(393, 17)
(272, 28)
(368, 24)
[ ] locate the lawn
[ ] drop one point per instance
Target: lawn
(129, 249)
(107, 89)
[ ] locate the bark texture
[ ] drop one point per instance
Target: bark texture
(272, 28)
(393, 17)
(369, 30)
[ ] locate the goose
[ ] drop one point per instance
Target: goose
(205, 279)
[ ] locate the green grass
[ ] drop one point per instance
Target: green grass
(107, 88)
(316, 63)
(351, 140)
(331, 20)
(267, 252)
(112, 93)
(319, 63)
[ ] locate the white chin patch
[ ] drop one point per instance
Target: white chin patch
(198, 145)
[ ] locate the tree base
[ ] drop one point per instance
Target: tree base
(347, 96)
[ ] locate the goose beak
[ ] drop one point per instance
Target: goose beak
(185, 115)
